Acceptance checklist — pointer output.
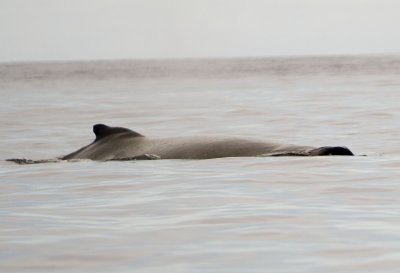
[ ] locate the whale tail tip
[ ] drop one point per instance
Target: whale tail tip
(336, 150)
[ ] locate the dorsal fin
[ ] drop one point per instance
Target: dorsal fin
(102, 130)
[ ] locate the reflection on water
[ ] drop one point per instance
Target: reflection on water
(329, 214)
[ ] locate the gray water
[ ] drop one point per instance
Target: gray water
(286, 214)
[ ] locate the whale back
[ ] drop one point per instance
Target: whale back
(113, 143)
(118, 143)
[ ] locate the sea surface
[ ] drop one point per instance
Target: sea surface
(261, 214)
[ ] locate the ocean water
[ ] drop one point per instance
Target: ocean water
(285, 214)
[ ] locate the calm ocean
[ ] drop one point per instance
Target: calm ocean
(285, 214)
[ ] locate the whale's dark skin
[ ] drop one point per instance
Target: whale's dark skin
(117, 143)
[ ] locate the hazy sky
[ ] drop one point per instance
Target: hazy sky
(120, 29)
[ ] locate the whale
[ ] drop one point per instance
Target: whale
(119, 143)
